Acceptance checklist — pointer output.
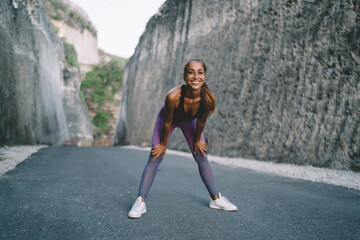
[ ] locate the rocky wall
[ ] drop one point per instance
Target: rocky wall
(83, 40)
(285, 74)
(32, 77)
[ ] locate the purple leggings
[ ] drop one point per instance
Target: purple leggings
(188, 128)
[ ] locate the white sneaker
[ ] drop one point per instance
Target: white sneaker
(137, 209)
(222, 203)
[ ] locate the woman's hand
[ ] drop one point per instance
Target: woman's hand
(157, 151)
(200, 145)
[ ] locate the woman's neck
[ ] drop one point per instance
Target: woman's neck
(190, 93)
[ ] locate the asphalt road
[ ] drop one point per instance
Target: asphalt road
(86, 193)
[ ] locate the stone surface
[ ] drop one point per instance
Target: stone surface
(36, 86)
(83, 40)
(74, 26)
(76, 113)
(285, 74)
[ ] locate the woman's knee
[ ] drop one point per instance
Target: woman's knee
(158, 160)
(199, 157)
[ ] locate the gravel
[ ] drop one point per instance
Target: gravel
(12, 156)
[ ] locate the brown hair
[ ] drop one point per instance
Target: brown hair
(206, 95)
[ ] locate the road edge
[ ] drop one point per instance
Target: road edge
(11, 156)
(348, 179)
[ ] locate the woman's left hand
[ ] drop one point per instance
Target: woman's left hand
(200, 145)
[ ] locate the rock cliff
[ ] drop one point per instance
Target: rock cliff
(36, 81)
(84, 42)
(73, 24)
(285, 74)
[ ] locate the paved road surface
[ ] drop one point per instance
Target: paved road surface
(85, 193)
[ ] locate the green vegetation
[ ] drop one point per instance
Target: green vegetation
(61, 11)
(81, 22)
(104, 81)
(101, 119)
(99, 87)
(70, 54)
(57, 17)
(58, 4)
(82, 97)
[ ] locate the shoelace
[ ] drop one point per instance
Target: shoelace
(227, 201)
(137, 204)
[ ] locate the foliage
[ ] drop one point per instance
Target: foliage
(82, 97)
(70, 54)
(60, 10)
(58, 4)
(104, 81)
(81, 22)
(100, 85)
(101, 119)
(57, 17)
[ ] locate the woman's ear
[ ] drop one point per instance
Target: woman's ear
(183, 77)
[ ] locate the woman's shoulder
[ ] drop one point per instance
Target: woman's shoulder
(174, 93)
(173, 96)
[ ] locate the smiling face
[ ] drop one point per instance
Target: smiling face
(194, 75)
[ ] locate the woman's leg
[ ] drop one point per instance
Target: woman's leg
(188, 128)
(151, 167)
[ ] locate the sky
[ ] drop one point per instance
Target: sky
(119, 23)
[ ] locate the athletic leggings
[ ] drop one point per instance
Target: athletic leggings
(188, 128)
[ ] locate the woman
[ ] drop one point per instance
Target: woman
(187, 107)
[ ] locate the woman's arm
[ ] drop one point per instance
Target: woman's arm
(170, 105)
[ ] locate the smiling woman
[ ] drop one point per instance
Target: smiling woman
(187, 107)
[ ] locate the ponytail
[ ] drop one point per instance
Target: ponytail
(208, 98)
